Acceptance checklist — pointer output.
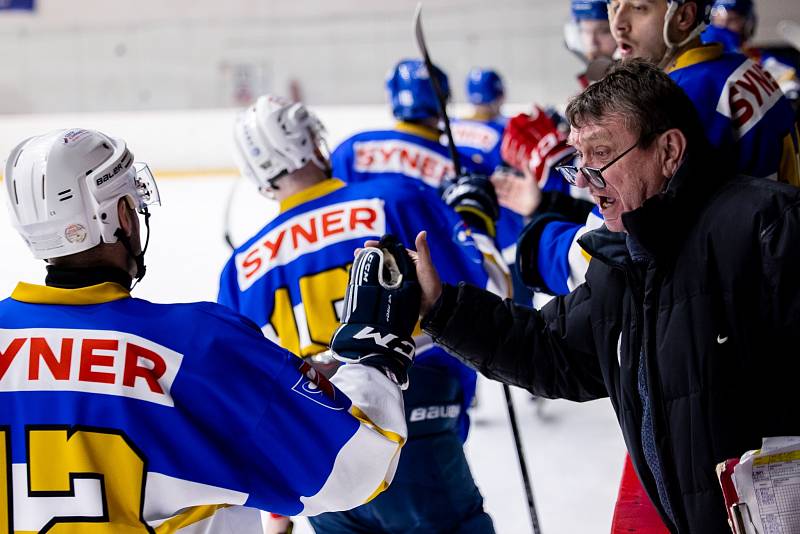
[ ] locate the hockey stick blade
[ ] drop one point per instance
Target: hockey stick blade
(441, 98)
(790, 31)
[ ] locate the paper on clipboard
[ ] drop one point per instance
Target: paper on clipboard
(768, 482)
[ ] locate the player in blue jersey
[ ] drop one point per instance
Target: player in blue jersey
(479, 134)
(289, 279)
(122, 415)
(588, 36)
(413, 148)
(733, 24)
(741, 106)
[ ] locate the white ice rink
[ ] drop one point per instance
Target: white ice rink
(574, 451)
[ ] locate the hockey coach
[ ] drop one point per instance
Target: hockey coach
(689, 319)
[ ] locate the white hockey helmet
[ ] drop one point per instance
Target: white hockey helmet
(63, 188)
(274, 137)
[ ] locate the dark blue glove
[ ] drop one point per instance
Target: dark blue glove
(381, 309)
(473, 197)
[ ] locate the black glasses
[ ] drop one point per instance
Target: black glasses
(592, 175)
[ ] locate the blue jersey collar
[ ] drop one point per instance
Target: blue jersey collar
(97, 294)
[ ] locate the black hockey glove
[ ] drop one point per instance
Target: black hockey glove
(381, 308)
(474, 199)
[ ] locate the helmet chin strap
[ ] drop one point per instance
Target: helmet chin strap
(137, 258)
(672, 48)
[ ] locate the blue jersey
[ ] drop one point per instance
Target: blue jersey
(416, 152)
(479, 141)
(150, 416)
(408, 151)
(742, 109)
(290, 278)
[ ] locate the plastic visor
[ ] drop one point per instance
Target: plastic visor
(146, 187)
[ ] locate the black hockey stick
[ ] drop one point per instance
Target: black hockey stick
(440, 98)
(523, 467)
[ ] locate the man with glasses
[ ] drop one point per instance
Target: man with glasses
(689, 307)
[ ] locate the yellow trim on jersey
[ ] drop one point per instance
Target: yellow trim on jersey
(789, 170)
(693, 56)
(481, 116)
(315, 191)
(586, 255)
(97, 294)
(394, 437)
(481, 215)
(378, 491)
(419, 130)
(189, 517)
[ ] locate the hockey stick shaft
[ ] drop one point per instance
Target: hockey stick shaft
(226, 229)
(523, 467)
(441, 98)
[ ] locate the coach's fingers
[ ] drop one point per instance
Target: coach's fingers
(429, 280)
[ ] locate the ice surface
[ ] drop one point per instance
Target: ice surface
(574, 451)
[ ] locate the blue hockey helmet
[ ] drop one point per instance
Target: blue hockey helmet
(743, 7)
(411, 91)
(589, 10)
(484, 86)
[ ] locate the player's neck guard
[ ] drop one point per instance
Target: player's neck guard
(74, 278)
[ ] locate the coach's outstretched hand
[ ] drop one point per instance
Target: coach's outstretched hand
(429, 281)
(381, 309)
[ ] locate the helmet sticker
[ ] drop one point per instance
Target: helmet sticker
(75, 233)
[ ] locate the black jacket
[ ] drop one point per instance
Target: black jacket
(714, 309)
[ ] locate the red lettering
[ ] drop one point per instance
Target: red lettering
(275, 246)
(407, 161)
(763, 78)
(387, 154)
(310, 235)
(59, 368)
(741, 109)
(429, 167)
(8, 356)
(89, 360)
(328, 222)
(363, 216)
(133, 370)
(364, 157)
(251, 260)
(750, 87)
